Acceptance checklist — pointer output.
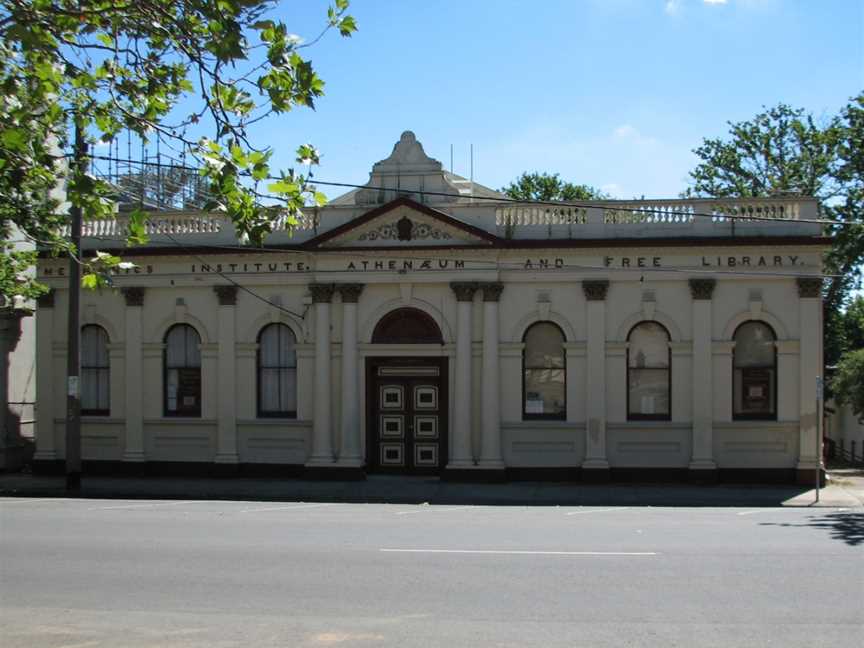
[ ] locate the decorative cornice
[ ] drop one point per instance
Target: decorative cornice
(809, 287)
(350, 292)
(227, 295)
(595, 289)
(134, 295)
(702, 288)
(321, 293)
(46, 300)
(491, 291)
(464, 290)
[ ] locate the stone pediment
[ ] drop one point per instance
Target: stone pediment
(403, 223)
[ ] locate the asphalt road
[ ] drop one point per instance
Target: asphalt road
(81, 573)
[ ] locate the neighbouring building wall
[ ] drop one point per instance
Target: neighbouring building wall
(846, 429)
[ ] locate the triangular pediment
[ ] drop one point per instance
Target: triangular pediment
(403, 223)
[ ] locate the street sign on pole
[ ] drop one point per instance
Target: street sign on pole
(819, 394)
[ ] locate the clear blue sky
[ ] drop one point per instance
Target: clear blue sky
(613, 93)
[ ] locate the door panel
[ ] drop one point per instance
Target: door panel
(407, 415)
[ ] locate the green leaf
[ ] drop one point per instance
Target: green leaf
(283, 187)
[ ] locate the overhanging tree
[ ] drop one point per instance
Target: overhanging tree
(784, 151)
(546, 186)
(110, 65)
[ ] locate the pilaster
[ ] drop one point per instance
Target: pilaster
(45, 399)
(596, 466)
(134, 410)
(322, 442)
(350, 452)
(460, 458)
(490, 447)
(702, 464)
(226, 442)
(810, 367)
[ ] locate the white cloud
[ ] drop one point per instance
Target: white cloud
(613, 189)
(672, 6)
(625, 130)
(714, 2)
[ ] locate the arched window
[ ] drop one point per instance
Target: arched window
(544, 388)
(754, 372)
(407, 326)
(649, 383)
(277, 372)
(182, 371)
(95, 372)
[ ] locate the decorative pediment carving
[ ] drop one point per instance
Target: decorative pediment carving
(405, 230)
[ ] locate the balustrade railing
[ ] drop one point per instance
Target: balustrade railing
(651, 212)
(606, 218)
(184, 223)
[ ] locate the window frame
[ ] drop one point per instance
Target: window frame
(759, 416)
(260, 412)
(197, 413)
(651, 417)
(107, 369)
(530, 416)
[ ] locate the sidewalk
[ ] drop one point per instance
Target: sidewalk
(844, 489)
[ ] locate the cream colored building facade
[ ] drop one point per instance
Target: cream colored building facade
(421, 325)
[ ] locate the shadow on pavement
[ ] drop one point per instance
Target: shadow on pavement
(845, 526)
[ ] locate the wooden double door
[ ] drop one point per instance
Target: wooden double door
(407, 415)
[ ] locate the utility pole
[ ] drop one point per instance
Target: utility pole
(73, 389)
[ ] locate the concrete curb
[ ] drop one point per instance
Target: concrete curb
(433, 492)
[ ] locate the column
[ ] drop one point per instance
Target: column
(810, 333)
(322, 444)
(460, 452)
(134, 449)
(702, 463)
(46, 448)
(350, 454)
(595, 466)
(490, 445)
(226, 434)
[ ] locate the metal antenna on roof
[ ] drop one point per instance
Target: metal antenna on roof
(471, 178)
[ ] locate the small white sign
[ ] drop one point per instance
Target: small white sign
(72, 385)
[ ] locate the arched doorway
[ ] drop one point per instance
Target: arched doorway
(407, 397)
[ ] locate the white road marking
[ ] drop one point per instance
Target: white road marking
(149, 505)
(763, 510)
(518, 552)
(29, 500)
(617, 508)
(284, 508)
(429, 509)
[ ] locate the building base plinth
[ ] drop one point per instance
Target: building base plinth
(703, 475)
(333, 472)
(596, 475)
(48, 466)
(807, 476)
(475, 474)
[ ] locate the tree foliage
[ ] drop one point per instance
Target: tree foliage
(783, 151)
(848, 382)
(549, 187)
(110, 65)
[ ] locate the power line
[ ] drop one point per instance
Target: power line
(624, 205)
(238, 285)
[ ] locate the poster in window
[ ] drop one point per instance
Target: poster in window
(756, 387)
